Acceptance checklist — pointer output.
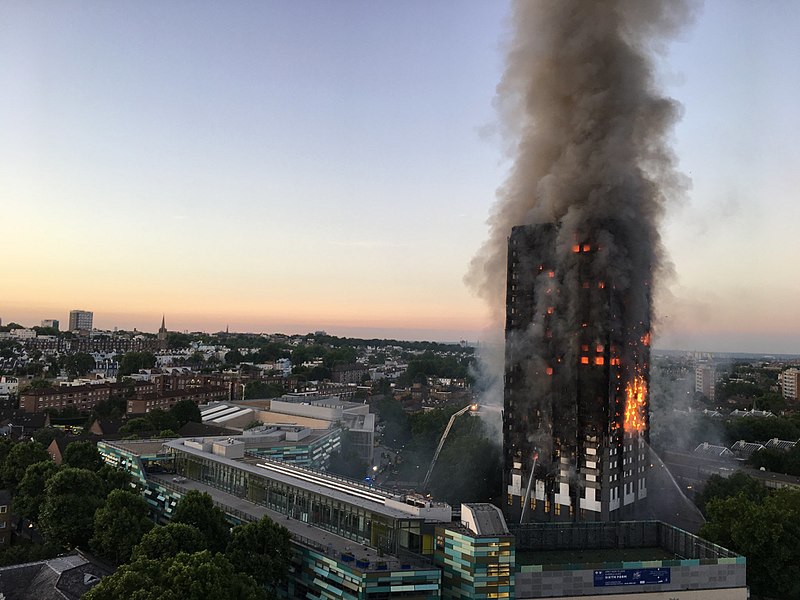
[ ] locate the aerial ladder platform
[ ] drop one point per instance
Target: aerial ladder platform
(467, 408)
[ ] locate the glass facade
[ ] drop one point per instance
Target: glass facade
(473, 566)
(348, 520)
(321, 577)
(314, 455)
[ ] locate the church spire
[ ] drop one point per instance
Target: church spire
(162, 332)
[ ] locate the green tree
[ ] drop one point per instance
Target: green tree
(318, 373)
(196, 359)
(778, 461)
(428, 426)
(382, 386)
(344, 355)
(468, 470)
(20, 457)
(177, 340)
(198, 510)
(196, 576)
(720, 488)
(234, 357)
(6, 444)
(83, 455)
(78, 364)
(167, 541)
(119, 525)
(31, 490)
(378, 358)
(302, 354)
(71, 498)
(131, 362)
(185, 411)
(761, 429)
(24, 551)
(46, 435)
(114, 479)
(767, 532)
(261, 550)
(161, 419)
(260, 389)
(137, 425)
(39, 384)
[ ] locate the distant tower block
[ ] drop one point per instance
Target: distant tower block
(80, 320)
(576, 419)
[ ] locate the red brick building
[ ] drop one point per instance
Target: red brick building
(82, 397)
(145, 402)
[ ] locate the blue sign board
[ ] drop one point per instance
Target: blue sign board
(612, 577)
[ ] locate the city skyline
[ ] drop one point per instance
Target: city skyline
(273, 167)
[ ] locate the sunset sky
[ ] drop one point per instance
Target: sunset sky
(294, 166)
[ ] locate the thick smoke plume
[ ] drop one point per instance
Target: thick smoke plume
(588, 134)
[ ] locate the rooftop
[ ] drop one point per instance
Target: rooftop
(483, 519)
(140, 447)
(592, 556)
(338, 488)
(323, 541)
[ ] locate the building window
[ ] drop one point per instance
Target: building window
(4, 508)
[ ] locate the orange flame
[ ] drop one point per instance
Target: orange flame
(635, 402)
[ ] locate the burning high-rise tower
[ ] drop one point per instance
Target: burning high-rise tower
(575, 420)
(574, 244)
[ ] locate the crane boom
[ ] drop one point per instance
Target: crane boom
(441, 442)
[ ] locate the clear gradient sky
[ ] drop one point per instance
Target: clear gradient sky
(293, 166)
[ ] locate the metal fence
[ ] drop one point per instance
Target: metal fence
(622, 534)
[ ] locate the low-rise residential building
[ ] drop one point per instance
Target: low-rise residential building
(23, 334)
(144, 402)
(8, 388)
(21, 424)
(83, 398)
(351, 373)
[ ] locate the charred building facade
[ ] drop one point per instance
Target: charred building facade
(575, 419)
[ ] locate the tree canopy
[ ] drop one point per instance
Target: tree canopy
(197, 576)
(20, 456)
(185, 411)
(169, 540)
(31, 490)
(261, 550)
(83, 455)
(198, 510)
(767, 532)
(133, 361)
(778, 461)
(119, 525)
(720, 488)
(78, 364)
(71, 498)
